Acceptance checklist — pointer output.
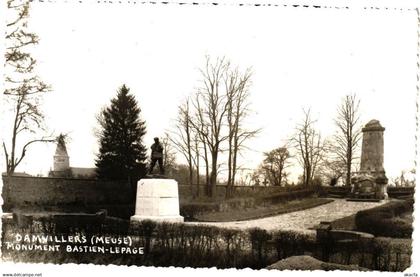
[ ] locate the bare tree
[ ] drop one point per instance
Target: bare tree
(274, 165)
(197, 163)
(169, 155)
(309, 146)
(23, 88)
(237, 92)
(181, 138)
(201, 131)
(218, 109)
(213, 106)
(348, 135)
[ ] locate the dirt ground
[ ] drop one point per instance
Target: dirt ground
(301, 221)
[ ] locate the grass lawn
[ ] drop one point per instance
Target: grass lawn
(261, 211)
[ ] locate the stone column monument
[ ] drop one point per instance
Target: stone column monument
(371, 179)
(372, 159)
(157, 200)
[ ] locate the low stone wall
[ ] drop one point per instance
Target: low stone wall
(400, 192)
(89, 195)
(364, 249)
(334, 192)
(67, 195)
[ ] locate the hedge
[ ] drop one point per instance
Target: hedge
(329, 191)
(191, 210)
(400, 192)
(285, 196)
(384, 221)
(187, 245)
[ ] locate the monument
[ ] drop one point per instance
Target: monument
(157, 196)
(371, 181)
(157, 199)
(157, 156)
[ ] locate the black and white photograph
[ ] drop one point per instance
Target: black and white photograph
(274, 136)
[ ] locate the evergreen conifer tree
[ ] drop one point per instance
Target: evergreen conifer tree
(122, 154)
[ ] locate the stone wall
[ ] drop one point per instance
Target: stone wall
(66, 194)
(87, 195)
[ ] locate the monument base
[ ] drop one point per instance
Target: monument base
(369, 185)
(157, 200)
(169, 219)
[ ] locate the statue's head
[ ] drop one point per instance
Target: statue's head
(156, 139)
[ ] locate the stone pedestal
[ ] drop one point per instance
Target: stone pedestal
(157, 200)
(371, 181)
(372, 159)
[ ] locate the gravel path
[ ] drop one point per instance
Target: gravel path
(302, 220)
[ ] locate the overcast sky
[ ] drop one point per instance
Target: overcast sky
(299, 58)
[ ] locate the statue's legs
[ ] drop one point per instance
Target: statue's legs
(161, 169)
(152, 165)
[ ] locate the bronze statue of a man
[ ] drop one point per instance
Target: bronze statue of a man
(157, 156)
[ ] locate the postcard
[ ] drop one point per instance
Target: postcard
(188, 137)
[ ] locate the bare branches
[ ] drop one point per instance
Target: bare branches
(22, 86)
(274, 165)
(237, 91)
(22, 8)
(309, 145)
(24, 149)
(210, 105)
(169, 157)
(181, 138)
(215, 121)
(348, 134)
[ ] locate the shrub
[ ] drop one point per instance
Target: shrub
(401, 192)
(286, 196)
(176, 244)
(387, 254)
(291, 243)
(190, 211)
(259, 239)
(381, 221)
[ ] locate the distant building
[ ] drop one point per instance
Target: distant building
(62, 168)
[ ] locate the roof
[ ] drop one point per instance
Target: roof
(61, 150)
(373, 125)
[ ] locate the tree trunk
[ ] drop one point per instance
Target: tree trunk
(11, 163)
(206, 162)
(348, 165)
(197, 170)
(229, 181)
(213, 174)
